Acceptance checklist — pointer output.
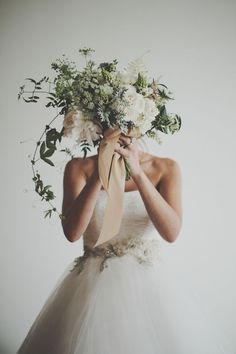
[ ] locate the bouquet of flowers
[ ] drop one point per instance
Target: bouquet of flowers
(95, 102)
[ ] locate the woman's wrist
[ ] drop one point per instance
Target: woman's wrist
(139, 175)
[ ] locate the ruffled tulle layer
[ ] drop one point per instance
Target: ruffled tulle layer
(128, 308)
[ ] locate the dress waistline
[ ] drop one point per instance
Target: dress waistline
(145, 250)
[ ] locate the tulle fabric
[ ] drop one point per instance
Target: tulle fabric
(128, 308)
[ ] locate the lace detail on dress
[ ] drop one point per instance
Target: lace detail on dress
(135, 221)
(144, 250)
(137, 236)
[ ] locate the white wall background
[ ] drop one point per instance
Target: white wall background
(192, 46)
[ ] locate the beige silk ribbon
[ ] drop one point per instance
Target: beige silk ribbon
(112, 172)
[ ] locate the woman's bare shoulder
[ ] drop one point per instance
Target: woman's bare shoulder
(166, 165)
(80, 163)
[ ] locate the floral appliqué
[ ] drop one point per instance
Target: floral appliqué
(144, 250)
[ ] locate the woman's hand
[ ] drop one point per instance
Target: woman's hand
(129, 151)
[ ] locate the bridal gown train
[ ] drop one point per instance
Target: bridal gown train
(119, 298)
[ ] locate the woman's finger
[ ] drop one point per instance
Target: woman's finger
(120, 151)
(125, 139)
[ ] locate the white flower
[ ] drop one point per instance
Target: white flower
(147, 91)
(151, 109)
(141, 111)
(80, 127)
(143, 123)
(148, 116)
(130, 74)
(136, 104)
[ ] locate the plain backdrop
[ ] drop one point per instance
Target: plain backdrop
(190, 45)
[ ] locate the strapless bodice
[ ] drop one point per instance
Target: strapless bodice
(137, 236)
(135, 220)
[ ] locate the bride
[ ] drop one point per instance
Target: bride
(157, 179)
(118, 297)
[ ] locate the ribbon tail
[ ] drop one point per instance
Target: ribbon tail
(114, 185)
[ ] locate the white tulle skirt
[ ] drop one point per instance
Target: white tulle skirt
(128, 308)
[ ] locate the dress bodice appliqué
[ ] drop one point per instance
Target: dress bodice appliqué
(137, 235)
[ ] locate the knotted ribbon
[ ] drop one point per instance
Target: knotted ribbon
(112, 173)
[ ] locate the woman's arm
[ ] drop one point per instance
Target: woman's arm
(164, 206)
(79, 198)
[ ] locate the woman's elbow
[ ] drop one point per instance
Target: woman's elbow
(69, 234)
(171, 238)
(172, 235)
(72, 238)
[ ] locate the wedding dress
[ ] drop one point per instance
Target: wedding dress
(119, 298)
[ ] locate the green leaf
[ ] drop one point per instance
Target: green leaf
(50, 145)
(51, 98)
(48, 213)
(28, 101)
(47, 161)
(48, 186)
(163, 85)
(48, 153)
(32, 80)
(42, 149)
(163, 110)
(39, 186)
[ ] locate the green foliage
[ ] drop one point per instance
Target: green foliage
(85, 147)
(167, 123)
(86, 51)
(68, 152)
(48, 213)
(141, 82)
(43, 191)
(162, 93)
(37, 88)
